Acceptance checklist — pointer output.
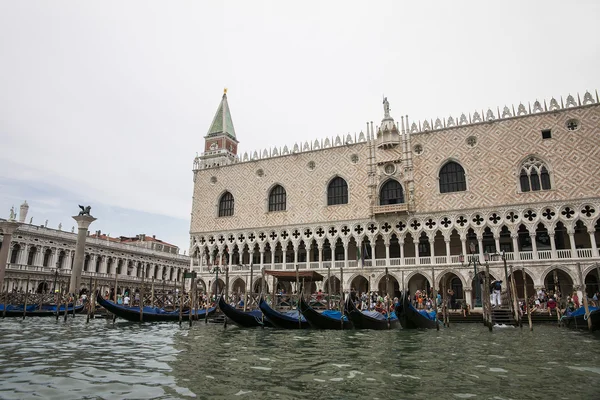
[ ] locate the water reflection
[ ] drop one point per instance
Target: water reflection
(42, 358)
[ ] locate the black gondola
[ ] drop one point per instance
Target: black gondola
(289, 320)
(33, 310)
(577, 320)
(151, 314)
(326, 320)
(410, 317)
(249, 319)
(369, 319)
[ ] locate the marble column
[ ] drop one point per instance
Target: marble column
(8, 228)
(83, 223)
(552, 246)
(591, 232)
(448, 256)
(532, 237)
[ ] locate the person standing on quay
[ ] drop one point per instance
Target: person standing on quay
(497, 289)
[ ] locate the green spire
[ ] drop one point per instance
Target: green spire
(222, 122)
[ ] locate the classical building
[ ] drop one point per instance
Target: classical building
(39, 254)
(429, 201)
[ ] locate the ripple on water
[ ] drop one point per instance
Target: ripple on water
(101, 360)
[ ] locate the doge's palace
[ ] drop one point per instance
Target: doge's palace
(431, 201)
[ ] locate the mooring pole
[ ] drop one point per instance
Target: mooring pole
(584, 297)
(26, 293)
(526, 299)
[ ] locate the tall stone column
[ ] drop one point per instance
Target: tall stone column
(8, 228)
(83, 223)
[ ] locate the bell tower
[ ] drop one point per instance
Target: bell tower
(220, 143)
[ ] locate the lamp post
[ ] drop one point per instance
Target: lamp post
(475, 259)
(216, 269)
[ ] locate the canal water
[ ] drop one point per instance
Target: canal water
(45, 359)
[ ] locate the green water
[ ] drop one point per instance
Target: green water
(40, 358)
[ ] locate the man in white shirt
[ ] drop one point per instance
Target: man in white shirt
(126, 299)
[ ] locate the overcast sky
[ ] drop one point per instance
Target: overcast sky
(106, 103)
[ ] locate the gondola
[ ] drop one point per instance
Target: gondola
(411, 318)
(33, 310)
(369, 319)
(328, 319)
(248, 319)
(288, 320)
(577, 320)
(151, 314)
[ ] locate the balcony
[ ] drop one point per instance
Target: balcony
(391, 209)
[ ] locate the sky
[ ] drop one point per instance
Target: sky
(106, 103)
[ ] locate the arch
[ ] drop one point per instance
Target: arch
(238, 285)
(15, 253)
(31, 255)
(201, 284)
(564, 279)
(518, 274)
(452, 177)
(534, 174)
(226, 205)
(548, 270)
(447, 271)
(47, 257)
(417, 281)
(592, 281)
(394, 286)
(335, 284)
(391, 192)
(408, 277)
(359, 284)
(42, 287)
(337, 191)
(277, 198)
(218, 284)
(257, 285)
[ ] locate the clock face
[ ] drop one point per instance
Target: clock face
(214, 146)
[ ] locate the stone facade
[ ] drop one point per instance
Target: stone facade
(37, 252)
(540, 231)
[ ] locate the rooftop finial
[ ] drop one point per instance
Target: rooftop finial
(224, 90)
(386, 108)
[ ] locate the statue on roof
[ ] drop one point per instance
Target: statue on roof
(85, 210)
(386, 108)
(13, 214)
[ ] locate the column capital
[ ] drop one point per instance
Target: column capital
(9, 227)
(84, 221)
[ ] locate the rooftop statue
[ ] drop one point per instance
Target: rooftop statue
(85, 210)
(386, 108)
(13, 215)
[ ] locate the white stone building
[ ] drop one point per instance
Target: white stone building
(418, 198)
(37, 253)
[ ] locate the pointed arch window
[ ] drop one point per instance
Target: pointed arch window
(452, 178)
(226, 204)
(277, 199)
(337, 192)
(534, 175)
(391, 193)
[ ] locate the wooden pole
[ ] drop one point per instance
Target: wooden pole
(115, 294)
(513, 297)
(387, 296)
(191, 302)
(584, 297)
(88, 305)
(141, 305)
(342, 296)
(297, 288)
(5, 300)
(26, 293)
(486, 301)
(181, 300)
(262, 292)
(434, 298)
(67, 294)
(60, 295)
(251, 285)
(329, 286)
(526, 299)
(152, 294)
(558, 296)
(246, 292)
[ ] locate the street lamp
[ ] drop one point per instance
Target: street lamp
(216, 269)
(475, 259)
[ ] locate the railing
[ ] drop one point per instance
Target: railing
(584, 253)
(545, 254)
(526, 255)
(391, 208)
(563, 253)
